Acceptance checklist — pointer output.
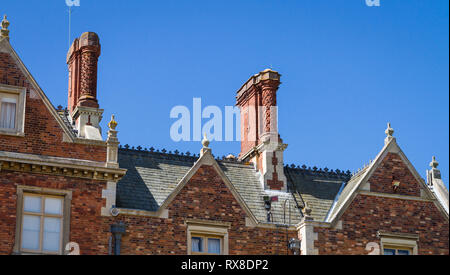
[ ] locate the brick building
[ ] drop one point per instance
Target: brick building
(64, 189)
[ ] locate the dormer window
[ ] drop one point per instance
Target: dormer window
(12, 110)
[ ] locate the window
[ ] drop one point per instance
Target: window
(43, 218)
(8, 112)
(12, 110)
(42, 222)
(207, 237)
(398, 243)
(388, 250)
(206, 245)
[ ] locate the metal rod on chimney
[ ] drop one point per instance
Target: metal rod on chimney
(70, 20)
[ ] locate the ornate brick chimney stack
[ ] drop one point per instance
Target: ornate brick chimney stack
(82, 60)
(260, 141)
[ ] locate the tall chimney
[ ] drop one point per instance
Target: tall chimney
(82, 60)
(260, 141)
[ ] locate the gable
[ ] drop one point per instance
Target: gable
(391, 165)
(154, 178)
(45, 133)
(393, 169)
(207, 159)
(206, 196)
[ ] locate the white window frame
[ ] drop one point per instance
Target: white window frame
(399, 241)
(207, 229)
(23, 191)
(7, 91)
(205, 239)
(42, 215)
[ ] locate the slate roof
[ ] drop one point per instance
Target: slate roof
(64, 114)
(317, 188)
(347, 191)
(153, 175)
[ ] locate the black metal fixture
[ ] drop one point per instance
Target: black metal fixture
(294, 245)
(117, 231)
(268, 206)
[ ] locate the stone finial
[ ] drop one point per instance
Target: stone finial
(307, 211)
(434, 164)
(5, 24)
(113, 123)
(205, 141)
(112, 144)
(389, 133)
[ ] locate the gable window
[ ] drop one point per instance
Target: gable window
(398, 243)
(207, 237)
(42, 220)
(12, 110)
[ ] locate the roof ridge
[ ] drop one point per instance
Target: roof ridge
(175, 154)
(325, 172)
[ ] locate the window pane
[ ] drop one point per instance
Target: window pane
(30, 233)
(197, 244)
(389, 251)
(8, 115)
(403, 252)
(32, 204)
(52, 231)
(214, 246)
(53, 206)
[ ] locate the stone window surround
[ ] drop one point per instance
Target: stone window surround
(20, 111)
(205, 227)
(67, 195)
(402, 240)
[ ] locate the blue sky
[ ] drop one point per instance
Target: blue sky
(347, 69)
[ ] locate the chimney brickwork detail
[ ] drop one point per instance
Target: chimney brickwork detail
(82, 60)
(260, 141)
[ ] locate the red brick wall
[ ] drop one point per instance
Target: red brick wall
(204, 197)
(367, 215)
(43, 135)
(87, 226)
(392, 168)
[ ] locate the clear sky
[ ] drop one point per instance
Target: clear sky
(347, 69)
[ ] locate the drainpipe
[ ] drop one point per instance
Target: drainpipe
(117, 230)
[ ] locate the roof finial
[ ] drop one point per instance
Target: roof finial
(307, 211)
(205, 141)
(5, 24)
(389, 133)
(113, 123)
(434, 164)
